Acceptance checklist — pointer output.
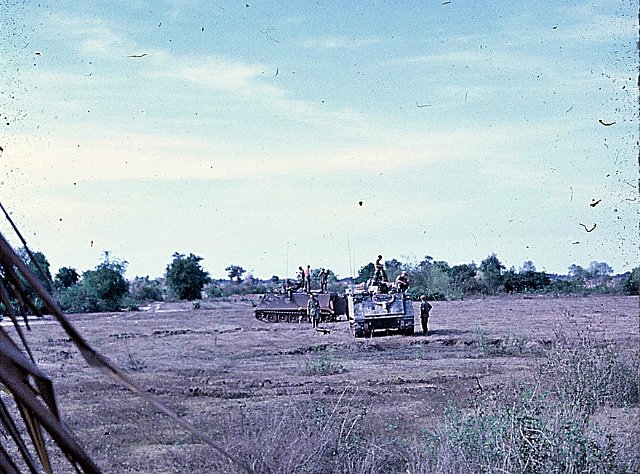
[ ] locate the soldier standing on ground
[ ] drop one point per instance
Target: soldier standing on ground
(324, 279)
(425, 307)
(313, 310)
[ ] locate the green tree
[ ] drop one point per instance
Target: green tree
(528, 266)
(185, 278)
(39, 266)
(463, 278)
(430, 278)
(631, 282)
(393, 268)
(332, 279)
(600, 269)
(106, 284)
(576, 272)
(365, 273)
(235, 271)
(66, 277)
(600, 274)
(491, 269)
(524, 281)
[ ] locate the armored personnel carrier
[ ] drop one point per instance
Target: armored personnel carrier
(377, 309)
(291, 307)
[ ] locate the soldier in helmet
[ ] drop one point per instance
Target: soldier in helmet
(313, 310)
(425, 307)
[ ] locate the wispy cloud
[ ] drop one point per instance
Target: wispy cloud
(59, 161)
(340, 42)
(218, 73)
(92, 35)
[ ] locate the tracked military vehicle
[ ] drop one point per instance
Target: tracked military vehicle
(291, 307)
(376, 309)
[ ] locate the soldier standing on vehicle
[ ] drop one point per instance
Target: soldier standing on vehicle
(313, 310)
(324, 279)
(425, 307)
(300, 278)
(307, 279)
(402, 282)
(380, 274)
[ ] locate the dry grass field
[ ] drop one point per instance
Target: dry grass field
(286, 398)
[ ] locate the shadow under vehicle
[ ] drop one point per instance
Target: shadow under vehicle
(291, 307)
(374, 311)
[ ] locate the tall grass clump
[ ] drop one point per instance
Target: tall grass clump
(545, 424)
(592, 373)
(309, 436)
(525, 433)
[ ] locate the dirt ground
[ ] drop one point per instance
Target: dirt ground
(219, 360)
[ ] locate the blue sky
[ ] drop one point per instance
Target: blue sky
(249, 132)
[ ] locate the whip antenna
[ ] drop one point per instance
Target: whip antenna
(349, 252)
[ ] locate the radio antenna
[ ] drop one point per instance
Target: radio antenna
(349, 252)
(286, 270)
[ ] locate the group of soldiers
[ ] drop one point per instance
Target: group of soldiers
(401, 284)
(303, 280)
(379, 280)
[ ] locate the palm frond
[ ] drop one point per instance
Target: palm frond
(32, 390)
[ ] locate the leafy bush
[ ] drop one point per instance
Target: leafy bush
(76, 299)
(431, 295)
(323, 366)
(102, 289)
(213, 291)
(143, 289)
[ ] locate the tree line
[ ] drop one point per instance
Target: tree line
(440, 281)
(105, 288)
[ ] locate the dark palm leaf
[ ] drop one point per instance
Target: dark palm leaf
(33, 392)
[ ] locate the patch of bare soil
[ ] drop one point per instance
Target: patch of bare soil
(214, 363)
